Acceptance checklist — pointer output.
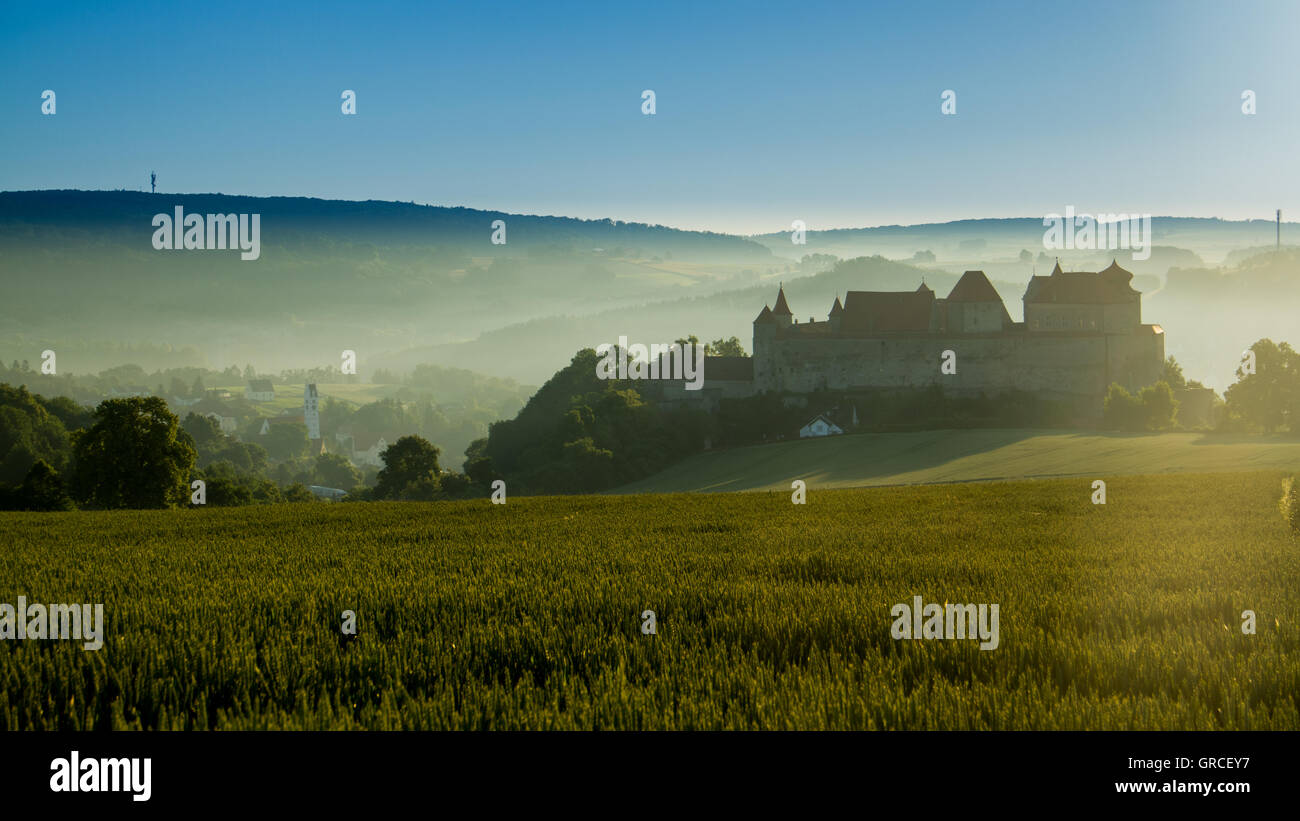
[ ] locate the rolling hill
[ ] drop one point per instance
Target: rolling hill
(930, 457)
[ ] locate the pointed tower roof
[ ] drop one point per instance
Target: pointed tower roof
(974, 287)
(1113, 271)
(837, 308)
(764, 315)
(1057, 269)
(924, 288)
(781, 309)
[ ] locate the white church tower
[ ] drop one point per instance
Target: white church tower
(311, 411)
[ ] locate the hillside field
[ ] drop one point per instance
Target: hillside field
(769, 615)
(934, 456)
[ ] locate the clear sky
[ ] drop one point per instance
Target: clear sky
(766, 113)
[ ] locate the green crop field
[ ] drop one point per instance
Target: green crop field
(769, 614)
(873, 459)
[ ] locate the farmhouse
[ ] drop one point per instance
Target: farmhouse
(820, 426)
(220, 412)
(364, 447)
(260, 390)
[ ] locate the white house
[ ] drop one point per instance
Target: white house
(819, 426)
(259, 390)
(229, 425)
(367, 448)
(220, 412)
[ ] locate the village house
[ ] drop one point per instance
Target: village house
(260, 390)
(363, 447)
(819, 426)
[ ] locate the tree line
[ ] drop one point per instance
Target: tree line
(134, 452)
(578, 433)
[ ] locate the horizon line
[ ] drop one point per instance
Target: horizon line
(413, 203)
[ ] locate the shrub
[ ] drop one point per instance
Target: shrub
(1123, 410)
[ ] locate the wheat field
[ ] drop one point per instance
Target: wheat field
(769, 615)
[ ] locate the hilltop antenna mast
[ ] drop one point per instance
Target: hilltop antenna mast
(1279, 229)
(153, 183)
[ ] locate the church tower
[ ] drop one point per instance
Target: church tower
(311, 414)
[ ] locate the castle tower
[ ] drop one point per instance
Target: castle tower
(836, 316)
(781, 313)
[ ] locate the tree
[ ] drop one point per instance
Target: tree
(1269, 398)
(298, 492)
(1173, 374)
(135, 455)
(72, 415)
(1159, 408)
(411, 460)
(725, 347)
(28, 432)
(453, 485)
(333, 470)
(224, 492)
(591, 467)
(284, 442)
(478, 465)
(1026, 257)
(43, 489)
(1123, 410)
(205, 432)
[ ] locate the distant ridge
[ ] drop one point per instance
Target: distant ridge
(370, 220)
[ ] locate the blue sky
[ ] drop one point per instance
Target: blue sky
(766, 113)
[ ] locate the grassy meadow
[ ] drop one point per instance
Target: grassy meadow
(964, 455)
(769, 615)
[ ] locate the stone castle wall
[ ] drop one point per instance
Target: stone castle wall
(1057, 365)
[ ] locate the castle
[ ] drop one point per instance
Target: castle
(1081, 331)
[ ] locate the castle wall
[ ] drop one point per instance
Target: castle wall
(974, 317)
(1137, 359)
(1049, 316)
(673, 394)
(1053, 365)
(1122, 317)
